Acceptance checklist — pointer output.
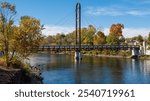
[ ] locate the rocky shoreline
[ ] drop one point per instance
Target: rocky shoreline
(10, 76)
(19, 76)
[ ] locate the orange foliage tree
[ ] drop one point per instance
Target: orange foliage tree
(117, 29)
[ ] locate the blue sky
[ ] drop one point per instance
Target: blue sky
(58, 15)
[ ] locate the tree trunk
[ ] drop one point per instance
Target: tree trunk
(6, 53)
(12, 56)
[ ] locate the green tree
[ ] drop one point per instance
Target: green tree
(99, 38)
(148, 39)
(140, 38)
(112, 39)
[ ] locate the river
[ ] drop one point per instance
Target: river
(62, 69)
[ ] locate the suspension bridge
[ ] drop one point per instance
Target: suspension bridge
(78, 47)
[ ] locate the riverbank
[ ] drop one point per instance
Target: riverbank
(108, 53)
(115, 54)
(111, 56)
(10, 76)
(143, 57)
(19, 76)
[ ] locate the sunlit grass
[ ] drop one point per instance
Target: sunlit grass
(2, 61)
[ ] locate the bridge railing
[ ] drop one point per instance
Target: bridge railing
(87, 47)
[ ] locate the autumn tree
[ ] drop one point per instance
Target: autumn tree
(60, 39)
(83, 35)
(7, 13)
(117, 29)
(28, 36)
(70, 38)
(48, 40)
(88, 34)
(18, 41)
(99, 38)
(115, 34)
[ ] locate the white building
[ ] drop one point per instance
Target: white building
(147, 50)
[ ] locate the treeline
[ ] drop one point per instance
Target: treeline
(91, 36)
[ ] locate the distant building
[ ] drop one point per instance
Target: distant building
(132, 42)
(145, 49)
(148, 50)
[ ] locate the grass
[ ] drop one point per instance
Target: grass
(108, 52)
(2, 61)
(145, 57)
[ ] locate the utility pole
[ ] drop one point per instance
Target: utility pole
(78, 32)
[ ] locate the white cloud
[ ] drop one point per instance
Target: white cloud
(145, 1)
(131, 32)
(138, 12)
(106, 31)
(138, 1)
(115, 11)
(103, 11)
(53, 30)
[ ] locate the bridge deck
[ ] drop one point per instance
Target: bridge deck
(86, 47)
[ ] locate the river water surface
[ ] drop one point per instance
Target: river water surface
(62, 69)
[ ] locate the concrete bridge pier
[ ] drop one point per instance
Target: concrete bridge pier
(78, 56)
(135, 52)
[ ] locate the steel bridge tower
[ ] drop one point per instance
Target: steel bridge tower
(78, 32)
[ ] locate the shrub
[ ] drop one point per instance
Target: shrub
(2, 62)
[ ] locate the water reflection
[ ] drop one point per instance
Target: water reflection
(62, 69)
(77, 72)
(146, 65)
